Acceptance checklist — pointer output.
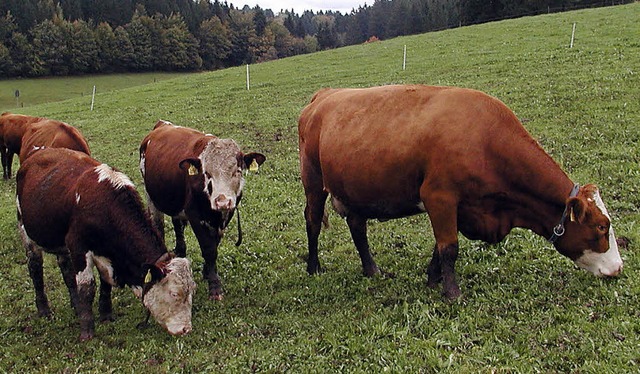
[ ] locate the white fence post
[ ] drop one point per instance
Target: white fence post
(573, 34)
(247, 77)
(404, 58)
(93, 97)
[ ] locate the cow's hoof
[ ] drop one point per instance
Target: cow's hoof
(314, 269)
(86, 336)
(107, 318)
(371, 271)
(452, 293)
(45, 313)
(216, 296)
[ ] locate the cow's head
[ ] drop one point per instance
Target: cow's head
(217, 174)
(589, 239)
(169, 293)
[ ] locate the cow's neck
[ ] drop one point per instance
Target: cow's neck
(544, 189)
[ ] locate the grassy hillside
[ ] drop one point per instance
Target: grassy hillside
(524, 306)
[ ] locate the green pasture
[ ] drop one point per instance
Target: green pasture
(19, 93)
(524, 308)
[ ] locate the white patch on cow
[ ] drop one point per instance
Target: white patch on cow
(608, 263)
(143, 162)
(77, 198)
(117, 179)
(422, 207)
(85, 276)
(18, 206)
(105, 268)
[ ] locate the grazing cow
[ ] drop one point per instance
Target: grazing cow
(457, 154)
(90, 215)
(195, 178)
(12, 129)
(53, 134)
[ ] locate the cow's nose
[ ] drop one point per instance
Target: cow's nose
(223, 203)
(186, 330)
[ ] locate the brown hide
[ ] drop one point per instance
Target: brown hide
(53, 134)
(163, 179)
(458, 154)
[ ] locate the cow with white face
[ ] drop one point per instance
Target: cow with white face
(90, 216)
(195, 178)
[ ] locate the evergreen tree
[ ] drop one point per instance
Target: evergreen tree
(83, 49)
(140, 37)
(179, 48)
(50, 45)
(107, 47)
(124, 56)
(215, 43)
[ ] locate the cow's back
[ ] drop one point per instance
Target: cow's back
(376, 148)
(54, 134)
(46, 188)
(161, 151)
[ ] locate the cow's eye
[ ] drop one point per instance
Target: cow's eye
(210, 187)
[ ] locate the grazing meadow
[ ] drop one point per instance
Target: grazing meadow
(524, 307)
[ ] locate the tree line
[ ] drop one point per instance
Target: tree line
(43, 37)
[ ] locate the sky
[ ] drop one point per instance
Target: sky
(299, 6)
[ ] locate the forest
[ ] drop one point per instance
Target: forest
(72, 37)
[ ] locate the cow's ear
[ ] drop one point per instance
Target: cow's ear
(253, 160)
(192, 166)
(577, 209)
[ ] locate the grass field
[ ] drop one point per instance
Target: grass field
(45, 90)
(524, 308)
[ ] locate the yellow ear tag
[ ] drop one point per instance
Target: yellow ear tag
(192, 170)
(147, 277)
(572, 216)
(254, 165)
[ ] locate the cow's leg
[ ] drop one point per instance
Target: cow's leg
(104, 301)
(3, 158)
(434, 270)
(9, 161)
(34, 263)
(157, 217)
(442, 208)
(178, 228)
(85, 282)
(358, 228)
(68, 275)
(209, 240)
(313, 211)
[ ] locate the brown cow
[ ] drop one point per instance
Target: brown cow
(12, 129)
(20, 134)
(195, 178)
(90, 215)
(457, 154)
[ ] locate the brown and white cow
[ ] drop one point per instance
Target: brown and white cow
(457, 154)
(195, 178)
(90, 215)
(20, 134)
(12, 129)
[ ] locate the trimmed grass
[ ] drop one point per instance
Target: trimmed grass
(524, 307)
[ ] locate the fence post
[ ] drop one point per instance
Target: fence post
(573, 33)
(93, 97)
